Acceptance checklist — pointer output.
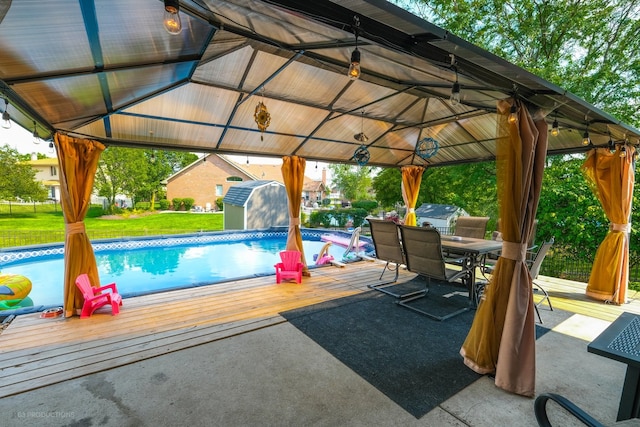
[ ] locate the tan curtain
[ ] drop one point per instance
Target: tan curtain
(293, 176)
(78, 161)
(501, 340)
(611, 178)
(411, 179)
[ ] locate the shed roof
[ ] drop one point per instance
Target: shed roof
(107, 70)
(433, 210)
(239, 194)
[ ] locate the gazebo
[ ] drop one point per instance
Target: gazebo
(358, 82)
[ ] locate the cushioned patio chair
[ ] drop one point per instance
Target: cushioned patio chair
(94, 298)
(386, 241)
(290, 267)
(423, 253)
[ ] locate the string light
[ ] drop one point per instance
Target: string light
(171, 21)
(6, 118)
(455, 89)
(354, 68)
(555, 130)
(36, 136)
(513, 114)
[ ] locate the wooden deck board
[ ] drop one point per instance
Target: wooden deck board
(37, 352)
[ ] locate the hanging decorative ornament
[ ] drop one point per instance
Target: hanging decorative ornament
(262, 118)
(362, 155)
(427, 148)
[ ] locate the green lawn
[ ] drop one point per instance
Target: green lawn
(47, 227)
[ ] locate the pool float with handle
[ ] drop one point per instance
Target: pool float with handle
(13, 290)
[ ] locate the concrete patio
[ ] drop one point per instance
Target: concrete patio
(222, 355)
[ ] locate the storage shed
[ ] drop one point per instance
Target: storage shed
(256, 204)
(442, 217)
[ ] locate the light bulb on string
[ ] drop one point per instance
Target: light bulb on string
(51, 148)
(354, 67)
(6, 118)
(36, 136)
(513, 114)
(555, 130)
(171, 20)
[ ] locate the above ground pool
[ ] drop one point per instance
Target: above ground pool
(147, 265)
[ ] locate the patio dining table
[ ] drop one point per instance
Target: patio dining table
(472, 251)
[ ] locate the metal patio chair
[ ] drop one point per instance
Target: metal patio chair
(423, 253)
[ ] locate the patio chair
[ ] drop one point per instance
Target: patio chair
(290, 267)
(471, 226)
(468, 226)
(386, 241)
(94, 298)
(423, 253)
(540, 410)
(534, 270)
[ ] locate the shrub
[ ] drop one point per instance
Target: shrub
(367, 205)
(341, 217)
(164, 204)
(95, 211)
(188, 203)
(177, 203)
(326, 202)
(219, 203)
(145, 206)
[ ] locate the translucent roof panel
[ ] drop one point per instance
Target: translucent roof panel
(108, 70)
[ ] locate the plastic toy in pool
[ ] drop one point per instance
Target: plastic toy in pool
(13, 291)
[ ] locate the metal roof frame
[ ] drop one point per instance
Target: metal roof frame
(114, 75)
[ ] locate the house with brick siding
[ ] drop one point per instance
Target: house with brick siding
(210, 177)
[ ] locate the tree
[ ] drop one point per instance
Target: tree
(589, 48)
(386, 185)
(160, 165)
(17, 179)
(568, 210)
(120, 171)
(470, 186)
(353, 181)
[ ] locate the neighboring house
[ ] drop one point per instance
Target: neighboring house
(47, 173)
(255, 205)
(210, 177)
(442, 217)
(313, 191)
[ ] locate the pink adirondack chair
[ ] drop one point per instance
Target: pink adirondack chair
(94, 298)
(290, 267)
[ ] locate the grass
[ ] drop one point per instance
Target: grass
(24, 228)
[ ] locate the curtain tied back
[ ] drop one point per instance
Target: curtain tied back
(75, 228)
(626, 228)
(514, 251)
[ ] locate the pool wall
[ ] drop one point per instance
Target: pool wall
(20, 253)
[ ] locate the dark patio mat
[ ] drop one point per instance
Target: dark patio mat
(411, 358)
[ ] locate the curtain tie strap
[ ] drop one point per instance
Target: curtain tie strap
(294, 221)
(75, 228)
(412, 210)
(514, 251)
(625, 228)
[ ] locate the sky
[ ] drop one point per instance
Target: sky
(22, 140)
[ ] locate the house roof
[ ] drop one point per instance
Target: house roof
(239, 194)
(432, 210)
(115, 75)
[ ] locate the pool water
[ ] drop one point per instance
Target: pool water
(151, 269)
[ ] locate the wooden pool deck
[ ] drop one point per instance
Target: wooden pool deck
(37, 352)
